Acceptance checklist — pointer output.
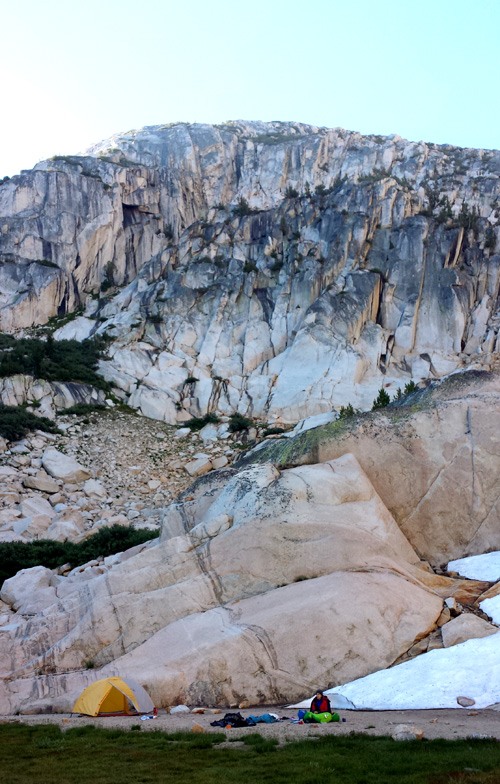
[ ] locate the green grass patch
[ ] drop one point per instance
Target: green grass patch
(46, 552)
(64, 360)
(46, 755)
(16, 422)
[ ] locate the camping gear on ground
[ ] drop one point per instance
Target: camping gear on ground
(233, 720)
(266, 718)
(113, 697)
(320, 718)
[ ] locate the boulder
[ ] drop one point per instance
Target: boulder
(95, 489)
(407, 732)
(36, 505)
(466, 627)
(61, 466)
(30, 591)
(182, 432)
(427, 462)
(33, 527)
(209, 432)
(198, 467)
(466, 702)
(63, 531)
(41, 482)
(219, 462)
(314, 543)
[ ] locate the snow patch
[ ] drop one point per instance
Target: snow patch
(478, 567)
(432, 680)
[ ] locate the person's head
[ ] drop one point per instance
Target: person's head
(319, 694)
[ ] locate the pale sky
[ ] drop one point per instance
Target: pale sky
(73, 73)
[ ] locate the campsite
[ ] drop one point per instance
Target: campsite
(49, 751)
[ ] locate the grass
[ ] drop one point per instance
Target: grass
(46, 755)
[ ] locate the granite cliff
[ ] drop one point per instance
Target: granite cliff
(279, 271)
(276, 269)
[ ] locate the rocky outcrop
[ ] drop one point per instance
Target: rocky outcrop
(434, 461)
(228, 605)
(46, 397)
(275, 269)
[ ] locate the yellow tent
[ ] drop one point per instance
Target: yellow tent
(113, 696)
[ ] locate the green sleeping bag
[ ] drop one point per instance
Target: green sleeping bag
(322, 718)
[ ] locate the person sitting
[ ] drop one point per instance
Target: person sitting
(320, 703)
(320, 710)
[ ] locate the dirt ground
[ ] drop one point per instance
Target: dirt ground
(447, 723)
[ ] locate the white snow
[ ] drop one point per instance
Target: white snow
(432, 680)
(492, 608)
(478, 567)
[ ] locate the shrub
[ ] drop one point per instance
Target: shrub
(155, 318)
(46, 552)
(63, 360)
(191, 380)
(249, 266)
(277, 266)
(15, 422)
(382, 400)
(348, 411)
(108, 280)
(238, 422)
(243, 208)
(196, 423)
(273, 431)
(410, 387)
(291, 193)
(468, 218)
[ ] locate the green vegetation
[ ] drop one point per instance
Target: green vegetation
(109, 273)
(273, 431)
(48, 755)
(46, 263)
(348, 411)
(382, 400)
(47, 552)
(249, 266)
(63, 360)
(291, 193)
(238, 422)
(274, 138)
(15, 422)
(468, 218)
(196, 423)
(375, 176)
(243, 208)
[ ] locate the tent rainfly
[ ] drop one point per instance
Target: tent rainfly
(113, 697)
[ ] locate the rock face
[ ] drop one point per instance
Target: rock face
(434, 461)
(45, 397)
(228, 605)
(275, 269)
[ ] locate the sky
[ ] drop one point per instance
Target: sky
(74, 73)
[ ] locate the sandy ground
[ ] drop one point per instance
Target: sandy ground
(447, 723)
